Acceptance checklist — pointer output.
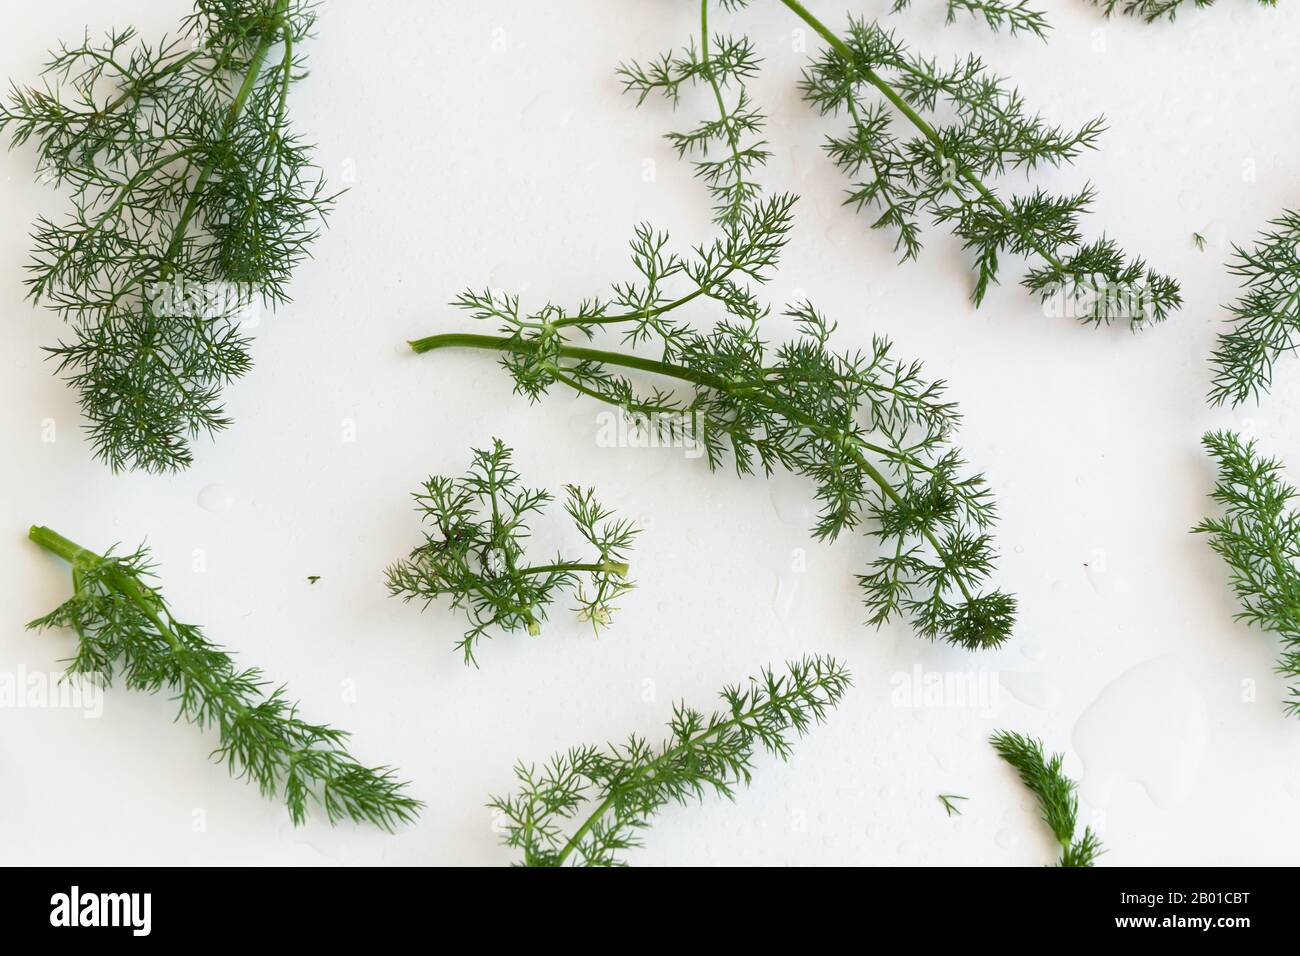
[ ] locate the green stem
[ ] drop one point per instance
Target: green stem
(870, 76)
(602, 567)
(850, 444)
(129, 588)
(236, 107)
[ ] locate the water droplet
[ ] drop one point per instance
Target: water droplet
(1034, 652)
(545, 113)
(1148, 726)
(216, 498)
(790, 500)
(787, 590)
(1036, 690)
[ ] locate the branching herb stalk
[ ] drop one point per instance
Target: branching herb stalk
(192, 200)
(1266, 320)
(945, 169)
(1054, 792)
(124, 626)
(473, 552)
(870, 431)
(1258, 536)
(621, 786)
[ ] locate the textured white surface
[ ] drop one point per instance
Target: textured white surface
(489, 144)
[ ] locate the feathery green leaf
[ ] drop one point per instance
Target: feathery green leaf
(474, 552)
(1258, 536)
(125, 627)
(615, 790)
(1054, 792)
(192, 202)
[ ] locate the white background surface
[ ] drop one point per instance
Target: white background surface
(489, 144)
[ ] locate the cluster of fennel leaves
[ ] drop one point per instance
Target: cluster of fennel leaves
(1266, 319)
(873, 433)
(125, 627)
(943, 170)
(474, 552)
(1055, 792)
(1153, 10)
(1017, 16)
(621, 786)
(1258, 535)
(192, 202)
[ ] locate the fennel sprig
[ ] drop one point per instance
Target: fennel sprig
(477, 526)
(125, 627)
(871, 431)
(1055, 793)
(1153, 10)
(615, 790)
(1258, 535)
(1017, 16)
(192, 202)
(945, 171)
(1266, 319)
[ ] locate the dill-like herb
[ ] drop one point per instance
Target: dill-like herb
(1258, 536)
(1016, 15)
(474, 552)
(1266, 320)
(124, 626)
(944, 171)
(1152, 10)
(947, 800)
(624, 785)
(1054, 792)
(192, 203)
(871, 431)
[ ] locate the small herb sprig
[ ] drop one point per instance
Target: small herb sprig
(944, 171)
(1266, 320)
(1054, 792)
(473, 552)
(193, 201)
(124, 626)
(1017, 16)
(1153, 10)
(871, 431)
(624, 785)
(1258, 536)
(949, 804)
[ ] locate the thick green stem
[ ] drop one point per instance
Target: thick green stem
(128, 587)
(68, 550)
(602, 567)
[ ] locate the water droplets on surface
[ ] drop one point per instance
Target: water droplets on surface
(1149, 726)
(1007, 838)
(1034, 689)
(790, 500)
(216, 498)
(1034, 652)
(787, 592)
